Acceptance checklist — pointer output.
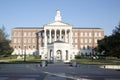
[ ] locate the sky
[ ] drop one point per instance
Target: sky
(79, 13)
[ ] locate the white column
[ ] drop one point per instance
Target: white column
(60, 34)
(65, 35)
(45, 45)
(55, 36)
(45, 39)
(50, 35)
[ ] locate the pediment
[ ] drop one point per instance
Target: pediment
(58, 23)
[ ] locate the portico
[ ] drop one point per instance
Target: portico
(58, 40)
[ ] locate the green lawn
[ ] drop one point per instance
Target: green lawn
(111, 61)
(14, 59)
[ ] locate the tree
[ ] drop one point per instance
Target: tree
(5, 48)
(110, 44)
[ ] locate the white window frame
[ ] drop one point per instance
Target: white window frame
(15, 40)
(81, 41)
(25, 34)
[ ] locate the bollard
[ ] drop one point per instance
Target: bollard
(43, 63)
(74, 64)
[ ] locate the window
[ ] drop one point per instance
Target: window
(19, 40)
(81, 40)
(24, 40)
(90, 40)
(76, 46)
(85, 34)
(99, 34)
(29, 33)
(95, 40)
(33, 40)
(81, 46)
(29, 46)
(18, 46)
(86, 40)
(76, 40)
(15, 40)
(15, 33)
(90, 34)
(33, 34)
(81, 33)
(95, 34)
(29, 40)
(86, 46)
(33, 46)
(76, 34)
(19, 33)
(25, 34)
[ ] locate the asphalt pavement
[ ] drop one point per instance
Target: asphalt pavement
(57, 71)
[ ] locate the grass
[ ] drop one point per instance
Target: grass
(13, 59)
(107, 61)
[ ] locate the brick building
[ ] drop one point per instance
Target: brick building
(56, 40)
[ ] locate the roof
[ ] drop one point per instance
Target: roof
(28, 28)
(85, 28)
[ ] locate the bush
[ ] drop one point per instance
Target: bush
(77, 56)
(37, 56)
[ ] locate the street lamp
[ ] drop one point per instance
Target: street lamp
(25, 54)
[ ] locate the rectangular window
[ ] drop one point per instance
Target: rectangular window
(25, 34)
(90, 34)
(81, 46)
(81, 34)
(81, 40)
(24, 40)
(95, 34)
(29, 40)
(90, 40)
(15, 40)
(76, 34)
(15, 33)
(33, 40)
(86, 41)
(85, 34)
(19, 33)
(33, 34)
(99, 34)
(76, 46)
(29, 33)
(19, 40)
(96, 40)
(76, 40)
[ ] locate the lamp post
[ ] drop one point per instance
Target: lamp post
(25, 54)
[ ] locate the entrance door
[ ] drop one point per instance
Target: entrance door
(59, 56)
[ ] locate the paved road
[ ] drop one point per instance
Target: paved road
(56, 71)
